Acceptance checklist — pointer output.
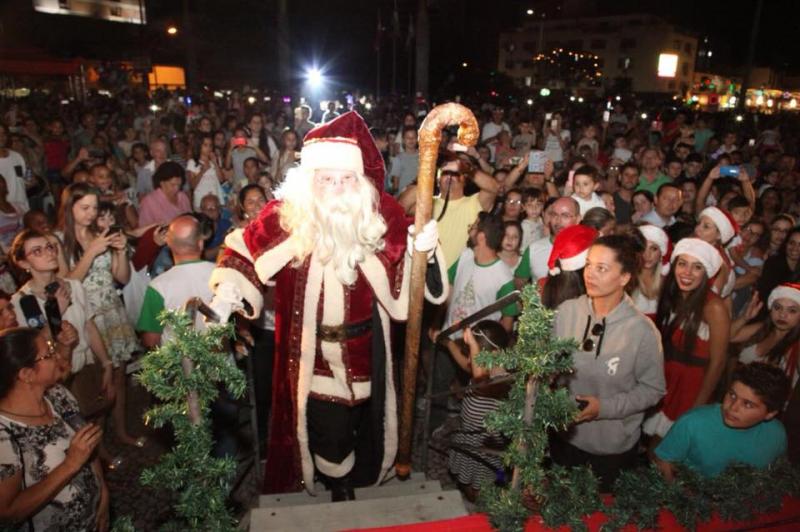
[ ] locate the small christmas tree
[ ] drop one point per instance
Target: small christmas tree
(184, 374)
(534, 407)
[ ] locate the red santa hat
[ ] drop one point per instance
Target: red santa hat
(701, 250)
(785, 291)
(344, 143)
(570, 248)
(657, 236)
(726, 225)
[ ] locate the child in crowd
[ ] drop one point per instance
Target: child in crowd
(532, 225)
(585, 181)
(642, 204)
(524, 141)
(470, 466)
(589, 139)
(742, 429)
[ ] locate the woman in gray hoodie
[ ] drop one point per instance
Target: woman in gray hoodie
(619, 367)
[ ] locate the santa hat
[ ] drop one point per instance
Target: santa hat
(570, 248)
(726, 225)
(657, 236)
(785, 291)
(344, 143)
(701, 250)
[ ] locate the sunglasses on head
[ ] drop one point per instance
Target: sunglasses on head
(598, 330)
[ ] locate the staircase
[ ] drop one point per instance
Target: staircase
(394, 502)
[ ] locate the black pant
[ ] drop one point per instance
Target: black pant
(335, 430)
(263, 357)
(606, 467)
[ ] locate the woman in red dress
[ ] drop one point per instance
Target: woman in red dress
(695, 330)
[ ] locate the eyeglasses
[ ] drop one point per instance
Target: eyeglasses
(449, 173)
(51, 352)
(39, 250)
(513, 202)
(598, 330)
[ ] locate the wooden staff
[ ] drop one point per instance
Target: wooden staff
(430, 137)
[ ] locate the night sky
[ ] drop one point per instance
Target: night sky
(235, 38)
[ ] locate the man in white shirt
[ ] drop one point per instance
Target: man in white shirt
(491, 130)
(667, 202)
(563, 213)
(12, 170)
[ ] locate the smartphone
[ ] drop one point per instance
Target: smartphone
(536, 162)
(116, 228)
(570, 178)
(751, 142)
(548, 116)
(606, 116)
(75, 421)
(554, 123)
(239, 141)
(514, 161)
(32, 311)
(655, 125)
(729, 171)
(582, 404)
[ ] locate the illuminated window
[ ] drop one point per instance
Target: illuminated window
(667, 65)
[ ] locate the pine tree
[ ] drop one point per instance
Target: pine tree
(184, 374)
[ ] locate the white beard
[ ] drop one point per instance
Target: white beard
(341, 230)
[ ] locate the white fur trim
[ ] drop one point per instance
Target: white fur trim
(337, 386)
(572, 264)
(390, 407)
(235, 241)
(783, 292)
(657, 425)
(330, 469)
(273, 260)
(724, 226)
(376, 276)
(332, 154)
(657, 236)
(249, 292)
(701, 250)
(308, 349)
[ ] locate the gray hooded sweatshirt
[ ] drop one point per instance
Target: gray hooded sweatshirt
(627, 376)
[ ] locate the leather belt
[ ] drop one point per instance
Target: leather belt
(341, 333)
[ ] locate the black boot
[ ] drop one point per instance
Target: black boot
(341, 489)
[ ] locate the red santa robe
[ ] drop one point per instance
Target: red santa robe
(305, 297)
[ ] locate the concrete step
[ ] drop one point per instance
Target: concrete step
(390, 489)
(332, 516)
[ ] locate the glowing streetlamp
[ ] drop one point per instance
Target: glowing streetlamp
(172, 30)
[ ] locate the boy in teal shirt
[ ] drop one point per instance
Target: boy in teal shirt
(741, 430)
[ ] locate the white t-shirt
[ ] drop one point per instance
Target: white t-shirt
(12, 169)
(475, 286)
(653, 218)
(491, 129)
(208, 184)
(585, 205)
(76, 315)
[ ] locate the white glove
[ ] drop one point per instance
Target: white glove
(227, 299)
(425, 241)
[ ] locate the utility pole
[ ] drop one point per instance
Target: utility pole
(191, 53)
(284, 52)
(423, 49)
(751, 53)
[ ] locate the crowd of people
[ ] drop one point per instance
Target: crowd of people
(670, 250)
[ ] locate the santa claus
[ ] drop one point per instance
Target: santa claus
(336, 251)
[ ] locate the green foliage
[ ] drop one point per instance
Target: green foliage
(563, 496)
(569, 489)
(566, 495)
(123, 524)
(739, 494)
(200, 482)
(505, 508)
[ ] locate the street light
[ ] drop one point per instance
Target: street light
(529, 12)
(172, 30)
(314, 77)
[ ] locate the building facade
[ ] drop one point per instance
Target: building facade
(641, 53)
